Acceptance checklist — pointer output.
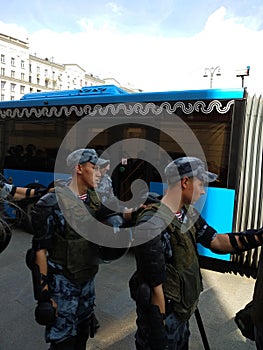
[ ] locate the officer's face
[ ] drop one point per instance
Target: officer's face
(193, 190)
(104, 170)
(90, 174)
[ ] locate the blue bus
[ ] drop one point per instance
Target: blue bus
(140, 132)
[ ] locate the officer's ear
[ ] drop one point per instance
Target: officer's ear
(185, 181)
(78, 169)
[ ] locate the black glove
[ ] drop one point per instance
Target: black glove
(158, 337)
(45, 313)
(40, 191)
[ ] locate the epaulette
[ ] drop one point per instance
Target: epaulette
(149, 211)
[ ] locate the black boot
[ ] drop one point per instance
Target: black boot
(83, 333)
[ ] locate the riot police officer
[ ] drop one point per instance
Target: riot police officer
(61, 261)
(167, 283)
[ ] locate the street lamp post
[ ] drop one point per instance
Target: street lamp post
(212, 71)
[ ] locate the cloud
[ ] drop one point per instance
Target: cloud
(115, 8)
(158, 62)
(14, 30)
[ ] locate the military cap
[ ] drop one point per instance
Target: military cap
(188, 166)
(102, 163)
(81, 156)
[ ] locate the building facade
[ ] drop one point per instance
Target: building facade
(22, 72)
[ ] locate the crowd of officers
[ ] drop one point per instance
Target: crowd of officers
(69, 224)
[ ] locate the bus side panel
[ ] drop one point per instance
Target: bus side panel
(24, 177)
(218, 211)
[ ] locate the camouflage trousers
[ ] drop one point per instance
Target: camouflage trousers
(75, 305)
(177, 332)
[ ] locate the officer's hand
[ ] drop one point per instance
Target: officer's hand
(55, 306)
(45, 313)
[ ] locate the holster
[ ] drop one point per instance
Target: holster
(140, 291)
(169, 306)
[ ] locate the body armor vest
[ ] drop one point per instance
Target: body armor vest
(74, 253)
(183, 284)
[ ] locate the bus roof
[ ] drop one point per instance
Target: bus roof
(104, 94)
(87, 91)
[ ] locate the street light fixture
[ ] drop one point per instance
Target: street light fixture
(243, 73)
(212, 71)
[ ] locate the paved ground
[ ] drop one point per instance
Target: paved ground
(224, 294)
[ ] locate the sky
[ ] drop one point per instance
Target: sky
(146, 44)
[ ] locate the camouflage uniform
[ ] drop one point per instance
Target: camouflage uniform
(70, 275)
(105, 188)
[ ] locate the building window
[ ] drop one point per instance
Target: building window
(12, 73)
(3, 71)
(3, 85)
(2, 97)
(2, 58)
(22, 89)
(23, 64)
(30, 68)
(38, 81)
(12, 98)
(30, 79)
(12, 87)
(22, 76)
(12, 61)
(38, 70)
